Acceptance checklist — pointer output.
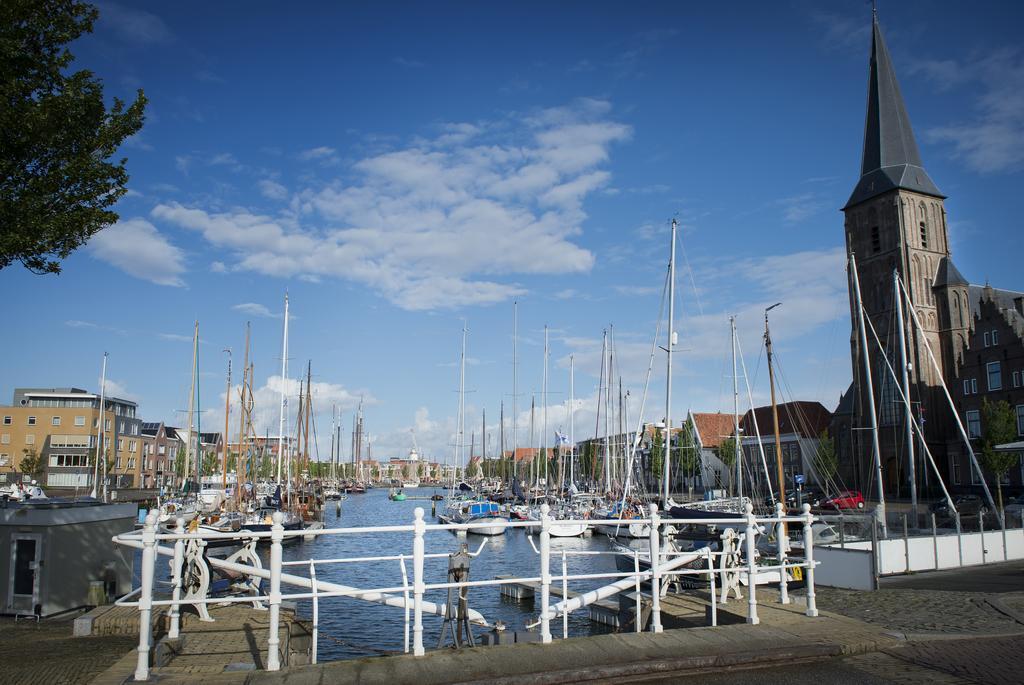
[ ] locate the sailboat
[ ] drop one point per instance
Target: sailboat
(463, 507)
(186, 505)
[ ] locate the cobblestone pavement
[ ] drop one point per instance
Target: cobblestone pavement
(45, 652)
(924, 611)
(994, 660)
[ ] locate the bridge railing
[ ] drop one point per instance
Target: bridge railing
(732, 563)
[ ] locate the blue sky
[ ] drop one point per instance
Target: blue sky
(400, 167)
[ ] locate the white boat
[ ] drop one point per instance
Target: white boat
(477, 512)
(178, 508)
(19, 492)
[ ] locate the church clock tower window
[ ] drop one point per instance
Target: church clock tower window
(924, 236)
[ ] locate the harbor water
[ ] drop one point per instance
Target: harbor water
(351, 628)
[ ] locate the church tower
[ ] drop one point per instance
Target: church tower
(895, 219)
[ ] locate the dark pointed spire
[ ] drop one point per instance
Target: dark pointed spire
(891, 158)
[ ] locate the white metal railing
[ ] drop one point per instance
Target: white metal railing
(663, 565)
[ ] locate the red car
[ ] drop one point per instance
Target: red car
(849, 499)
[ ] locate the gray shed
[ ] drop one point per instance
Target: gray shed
(52, 549)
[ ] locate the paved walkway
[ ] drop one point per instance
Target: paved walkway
(32, 653)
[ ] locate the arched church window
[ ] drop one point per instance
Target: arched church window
(876, 240)
(924, 235)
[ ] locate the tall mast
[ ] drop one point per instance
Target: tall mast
(462, 403)
(99, 427)
(227, 415)
(191, 406)
(199, 414)
(780, 476)
(736, 410)
(501, 442)
(671, 336)
(572, 422)
(533, 443)
(284, 395)
(308, 406)
(544, 412)
(606, 385)
(242, 432)
(869, 387)
(515, 387)
(908, 417)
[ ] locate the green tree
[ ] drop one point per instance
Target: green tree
(57, 135)
(686, 449)
(998, 427)
(826, 461)
(31, 463)
(726, 453)
(657, 457)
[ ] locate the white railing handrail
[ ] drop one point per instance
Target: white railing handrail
(663, 563)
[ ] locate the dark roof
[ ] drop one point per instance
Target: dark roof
(172, 432)
(1004, 299)
(807, 419)
(150, 428)
(845, 405)
(948, 274)
(891, 159)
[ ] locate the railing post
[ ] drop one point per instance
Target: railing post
(419, 528)
(906, 545)
(565, 594)
(274, 598)
(751, 567)
(176, 573)
(959, 538)
(842, 531)
(316, 607)
(545, 572)
(782, 539)
(935, 542)
(714, 590)
(655, 570)
(812, 607)
(636, 588)
(981, 529)
(146, 596)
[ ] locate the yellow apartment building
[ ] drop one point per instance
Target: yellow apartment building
(60, 425)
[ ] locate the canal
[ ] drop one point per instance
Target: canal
(351, 628)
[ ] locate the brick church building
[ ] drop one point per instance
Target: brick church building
(895, 221)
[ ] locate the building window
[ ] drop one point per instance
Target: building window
(79, 420)
(954, 462)
(995, 338)
(924, 235)
(876, 240)
(974, 476)
(5, 459)
(974, 386)
(8, 420)
(967, 386)
(5, 439)
(106, 424)
(995, 376)
(1016, 379)
(30, 438)
(132, 445)
(973, 423)
(131, 463)
(1020, 419)
(162, 449)
(988, 342)
(31, 420)
(55, 421)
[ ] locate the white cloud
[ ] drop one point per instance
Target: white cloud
(175, 337)
(134, 25)
(322, 152)
(137, 248)
(254, 309)
(799, 207)
(272, 190)
(118, 390)
(75, 323)
(438, 223)
(993, 140)
(636, 290)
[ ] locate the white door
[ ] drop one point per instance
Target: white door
(26, 553)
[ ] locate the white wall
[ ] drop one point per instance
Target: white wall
(854, 566)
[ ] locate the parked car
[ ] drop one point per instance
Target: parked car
(966, 505)
(848, 499)
(1014, 507)
(811, 495)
